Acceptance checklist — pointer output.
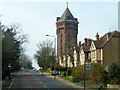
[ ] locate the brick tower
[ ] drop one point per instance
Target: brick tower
(66, 30)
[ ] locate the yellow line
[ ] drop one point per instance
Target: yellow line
(11, 83)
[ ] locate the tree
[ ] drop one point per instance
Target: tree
(70, 52)
(25, 61)
(114, 73)
(45, 54)
(11, 47)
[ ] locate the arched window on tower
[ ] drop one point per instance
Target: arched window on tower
(68, 36)
(61, 42)
(61, 36)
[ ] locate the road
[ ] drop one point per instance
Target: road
(32, 80)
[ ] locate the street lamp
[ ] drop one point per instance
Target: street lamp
(54, 44)
(84, 73)
(54, 49)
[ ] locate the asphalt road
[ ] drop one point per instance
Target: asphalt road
(32, 80)
(25, 80)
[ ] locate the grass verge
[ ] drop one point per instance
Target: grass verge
(65, 77)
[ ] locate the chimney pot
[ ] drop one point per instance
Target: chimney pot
(97, 36)
(108, 35)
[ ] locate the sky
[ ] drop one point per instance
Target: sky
(38, 18)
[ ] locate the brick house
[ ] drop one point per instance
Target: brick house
(106, 49)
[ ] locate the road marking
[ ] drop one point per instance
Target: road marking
(11, 83)
(39, 81)
(27, 81)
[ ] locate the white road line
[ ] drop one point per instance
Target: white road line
(39, 80)
(27, 81)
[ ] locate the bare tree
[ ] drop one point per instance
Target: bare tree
(45, 54)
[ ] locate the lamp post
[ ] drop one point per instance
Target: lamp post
(54, 43)
(84, 73)
(54, 49)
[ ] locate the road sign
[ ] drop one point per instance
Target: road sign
(9, 65)
(88, 67)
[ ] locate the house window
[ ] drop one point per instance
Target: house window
(92, 46)
(88, 55)
(93, 54)
(82, 56)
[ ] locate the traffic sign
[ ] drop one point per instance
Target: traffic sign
(9, 65)
(88, 67)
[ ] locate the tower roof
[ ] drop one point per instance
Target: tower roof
(66, 16)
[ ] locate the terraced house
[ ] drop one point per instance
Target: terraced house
(106, 49)
(84, 52)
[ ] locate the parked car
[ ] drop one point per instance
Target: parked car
(55, 72)
(34, 69)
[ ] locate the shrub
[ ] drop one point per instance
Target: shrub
(77, 74)
(87, 74)
(114, 73)
(68, 72)
(63, 73)
(60, 68)
(98, 74)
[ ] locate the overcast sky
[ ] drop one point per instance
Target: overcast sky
(39, 18)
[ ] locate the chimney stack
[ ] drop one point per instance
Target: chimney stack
(79, 43)
(108, 35)
(97, 36)
(85, 41)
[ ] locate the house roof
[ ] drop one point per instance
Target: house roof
(86, 48)
(98, 43)
(103, 40)
(66, 16)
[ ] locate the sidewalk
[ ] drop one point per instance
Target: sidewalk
(6, 82)
(73, 85)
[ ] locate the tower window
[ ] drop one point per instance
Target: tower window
(61, 24)
(61, 48)
(69, 23)
(68, 28)
(61, 38)
(61, 28)
(68, 36)
(61, 35)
